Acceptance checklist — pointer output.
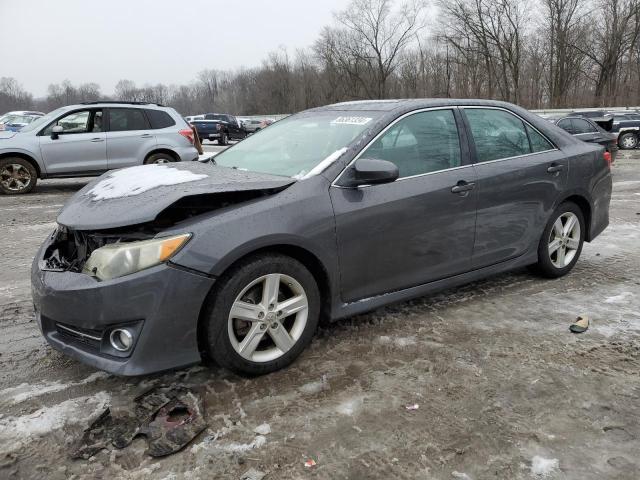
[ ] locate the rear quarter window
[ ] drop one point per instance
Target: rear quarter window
(159, 119)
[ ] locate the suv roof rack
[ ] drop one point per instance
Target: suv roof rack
(119, 101)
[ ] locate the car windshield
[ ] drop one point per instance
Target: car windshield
(293, 147)
(42, 121)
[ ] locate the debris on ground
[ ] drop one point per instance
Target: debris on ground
(169, 418)
(580, 325)
(263, 429)
(252, 474)
(413, 406)
(310, 463)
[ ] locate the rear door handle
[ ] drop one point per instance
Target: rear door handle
(146, 135)
(97, 139)
(462, 187)
(555, 168)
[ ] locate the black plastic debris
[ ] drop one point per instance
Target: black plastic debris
(169, 418)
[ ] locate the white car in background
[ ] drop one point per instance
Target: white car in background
(14, 121)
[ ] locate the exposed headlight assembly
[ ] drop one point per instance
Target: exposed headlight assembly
(120, 259)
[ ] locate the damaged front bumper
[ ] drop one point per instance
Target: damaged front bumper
(160, 306)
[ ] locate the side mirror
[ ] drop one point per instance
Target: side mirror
(369, 171)
(56, 131)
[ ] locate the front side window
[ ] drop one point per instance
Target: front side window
(420, 143)
(81, 121)
(497, 134)
(125, 119)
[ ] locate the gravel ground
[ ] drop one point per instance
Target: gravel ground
(503, 390)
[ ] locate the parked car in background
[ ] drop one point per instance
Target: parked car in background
(14, 121)
(627, 129)
(231, 128)
(252, 125)
(589, 131)
(207, 129)
(328, 213)
(91, 138)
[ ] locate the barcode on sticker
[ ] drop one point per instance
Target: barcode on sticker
(351, 120)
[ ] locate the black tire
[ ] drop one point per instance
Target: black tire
(545, 266)
(17, 176)
(224, 139)
(628, 141)
(159, 158)
(217, 342)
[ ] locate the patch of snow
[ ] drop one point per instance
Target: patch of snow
(26, 391)
(350, 407)
(324, 164)
(81, 410)
(315, 387)
(618, 298)
(544, 466)
(460, 475)
(400, 342)
(132, 181)
(264, 429)
(235, 447)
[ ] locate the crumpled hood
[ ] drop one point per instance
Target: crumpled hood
(4, 134)
(135, 195)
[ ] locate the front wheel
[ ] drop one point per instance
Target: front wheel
(17, 176)
(628, 141)
(561, 242)
(262, 316)
(223, 140)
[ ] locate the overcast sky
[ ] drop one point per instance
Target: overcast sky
(148, 41)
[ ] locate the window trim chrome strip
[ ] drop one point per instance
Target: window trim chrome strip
(428, 109)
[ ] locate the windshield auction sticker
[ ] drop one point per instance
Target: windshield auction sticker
(351, 121)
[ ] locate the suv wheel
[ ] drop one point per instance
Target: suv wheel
(158, 158)
(561, 242)
(223, 140)
(628, 141)
(17, 176)
(263, 315)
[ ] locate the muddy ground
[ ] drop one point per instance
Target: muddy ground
(504, 390)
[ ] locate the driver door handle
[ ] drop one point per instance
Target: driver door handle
(97, 139)
(462, 187)
(555, 168)
(146, 135)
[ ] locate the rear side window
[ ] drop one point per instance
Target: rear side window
(538, 142)
(497, 134)
(125, 119)
(159, 119)
(566, 125)
(420, 143)
(582, 126)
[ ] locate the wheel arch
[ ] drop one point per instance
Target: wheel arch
(586, 208)
(168, 151)
(26, 157)
(301, 254)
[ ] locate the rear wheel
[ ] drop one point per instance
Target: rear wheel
(263, 315)
(628, 141)
(561, 242)
(159, 158)
(17, 176)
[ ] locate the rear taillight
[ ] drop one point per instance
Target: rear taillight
(607, 158)
(188, 134)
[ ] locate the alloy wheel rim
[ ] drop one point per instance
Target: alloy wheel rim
(268, 317)
(629, 142)
(15, 177)
(162, 160)
(564, 240)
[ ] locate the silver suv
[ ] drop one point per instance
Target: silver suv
(91, 138)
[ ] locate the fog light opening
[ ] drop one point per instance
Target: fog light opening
(121, 339)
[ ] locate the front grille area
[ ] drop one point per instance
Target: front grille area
(84, 336)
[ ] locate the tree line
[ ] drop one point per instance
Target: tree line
(537, 53)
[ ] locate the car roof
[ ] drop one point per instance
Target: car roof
(410, 104)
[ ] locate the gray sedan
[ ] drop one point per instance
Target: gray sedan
(326, 214)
